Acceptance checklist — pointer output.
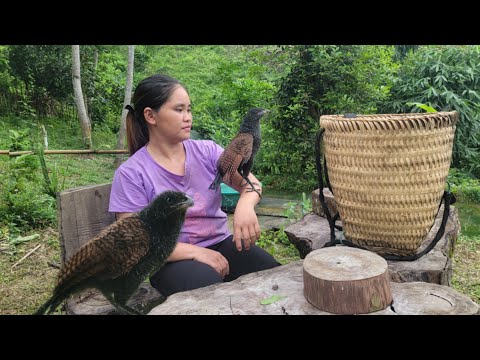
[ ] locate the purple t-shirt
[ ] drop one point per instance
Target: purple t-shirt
(139, 179)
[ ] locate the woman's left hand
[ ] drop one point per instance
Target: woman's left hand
(245, 222)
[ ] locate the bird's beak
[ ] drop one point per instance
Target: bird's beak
(265, 111)
(187, 203)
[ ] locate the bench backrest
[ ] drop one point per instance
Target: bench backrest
(82, 214)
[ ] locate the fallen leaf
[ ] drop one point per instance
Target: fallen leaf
(272, 299)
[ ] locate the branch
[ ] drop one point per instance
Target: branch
(28, 254)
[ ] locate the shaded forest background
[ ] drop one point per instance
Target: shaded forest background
(298, 83)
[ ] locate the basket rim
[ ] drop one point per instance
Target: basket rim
(393, 117)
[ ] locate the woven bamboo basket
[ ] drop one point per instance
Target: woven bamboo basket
(388, 174)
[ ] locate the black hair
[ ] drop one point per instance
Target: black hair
(152, 92)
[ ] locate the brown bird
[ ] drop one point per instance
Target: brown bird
(239, 154)
(124, 254)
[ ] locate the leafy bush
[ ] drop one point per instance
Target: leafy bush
(23, 205)
(464, 186)
(22, 202)
(320, 80)
(446, 78)
(276, 243)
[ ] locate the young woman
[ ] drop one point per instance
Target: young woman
(164, 158)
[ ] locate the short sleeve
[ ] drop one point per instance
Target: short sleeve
(215, 151)
(128, 193)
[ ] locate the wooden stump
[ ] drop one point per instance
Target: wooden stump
(344, 280)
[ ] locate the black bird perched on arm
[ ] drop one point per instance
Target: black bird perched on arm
(239, 154)
(124, 254)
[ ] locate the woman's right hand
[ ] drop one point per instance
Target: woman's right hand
(212, 258)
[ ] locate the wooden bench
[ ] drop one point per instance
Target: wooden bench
(243, 296)
(82, 214)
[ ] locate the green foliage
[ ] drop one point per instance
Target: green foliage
(43, 68)
(51, 183)
(14, 240)
(276, 243)
(425, 107)
(5, 78)
(464, 186)
(322, 80)
(223, 83)
(108, 90)
(401, 51)
(297, 211)
(25, 179)
(20, 139)
(22, 203)
(102, 74)
(446, 78)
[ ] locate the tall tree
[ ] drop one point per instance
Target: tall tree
(79, 99)
(126, 101)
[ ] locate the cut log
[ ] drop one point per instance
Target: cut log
(92, 302)
(329, 201)
(313, 231)
(344, 280)
(244, 295)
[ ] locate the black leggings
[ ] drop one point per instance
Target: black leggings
(190, 274)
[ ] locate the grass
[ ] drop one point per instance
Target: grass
(27, 285)
(82, 170)
(466, 267)
(470, 218)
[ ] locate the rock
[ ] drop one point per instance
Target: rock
(329, 200)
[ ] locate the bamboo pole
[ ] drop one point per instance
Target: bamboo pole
(51, 152)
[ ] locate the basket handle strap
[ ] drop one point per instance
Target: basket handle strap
(321, 169)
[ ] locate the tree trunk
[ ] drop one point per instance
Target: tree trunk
(79, 102)
(126, 101)
(92, 95)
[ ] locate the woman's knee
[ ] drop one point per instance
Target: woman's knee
(184, 275)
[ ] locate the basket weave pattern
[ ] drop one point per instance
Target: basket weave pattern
(388, 175)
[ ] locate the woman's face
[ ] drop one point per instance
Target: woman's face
(173, 121)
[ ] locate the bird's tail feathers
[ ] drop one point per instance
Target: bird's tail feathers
(60, 293)
(216, 183)
(51, 304)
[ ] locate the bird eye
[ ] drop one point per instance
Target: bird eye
(169, 200)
